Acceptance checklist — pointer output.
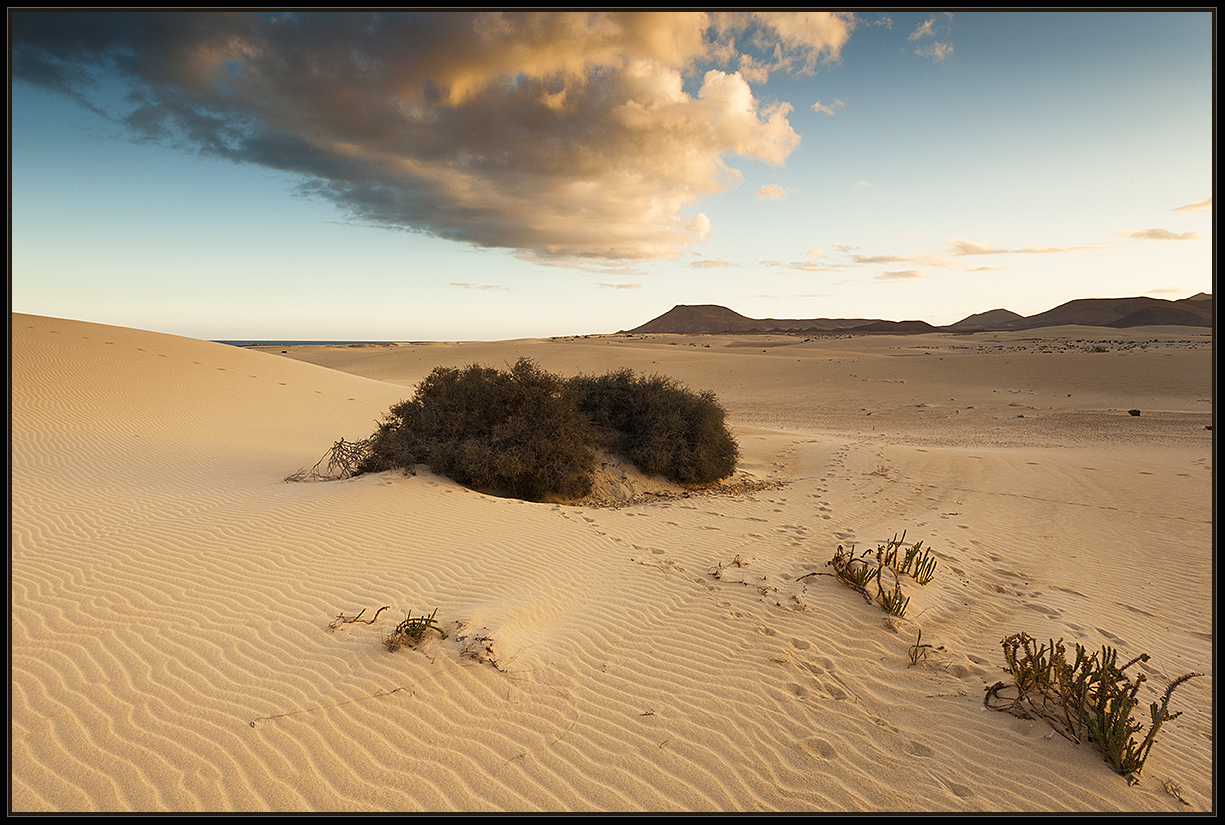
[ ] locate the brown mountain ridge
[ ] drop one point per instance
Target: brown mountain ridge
(1196, 311)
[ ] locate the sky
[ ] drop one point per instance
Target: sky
(501, 175)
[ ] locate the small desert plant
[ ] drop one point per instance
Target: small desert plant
(858, 572)
(894, 601)
(918, 562)
(411, 631)
(855, 572)
(918, 650)
(1087, 698)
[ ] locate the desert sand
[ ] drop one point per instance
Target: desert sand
(173, 597)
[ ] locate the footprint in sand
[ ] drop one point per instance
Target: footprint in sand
(958, 790)
(819, 748)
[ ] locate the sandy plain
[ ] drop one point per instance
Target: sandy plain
(173, 597)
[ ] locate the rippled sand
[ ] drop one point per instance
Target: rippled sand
(173, 597)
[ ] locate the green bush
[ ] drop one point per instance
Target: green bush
(516, 433)
(660, 425)
(529, 434)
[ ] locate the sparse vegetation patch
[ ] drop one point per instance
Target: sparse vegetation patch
(1085, 698)
(889, 563)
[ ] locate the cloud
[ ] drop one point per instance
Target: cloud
(878, 259)
(936, 51)
(710, 263)
(829, 110)
(901, 275)
(1202, 206)
(963, 247)
(1162, 235)
(788, 41)
(924, 29)
(563, 135)
(466, 285)
(771, 190)
(619, 286)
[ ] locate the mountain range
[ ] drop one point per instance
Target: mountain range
(1196, 311)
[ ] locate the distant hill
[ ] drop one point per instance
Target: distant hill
(1119, 313)
(708, 319)
(700, 319)
(986, 320)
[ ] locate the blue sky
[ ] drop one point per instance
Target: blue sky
(467, 176)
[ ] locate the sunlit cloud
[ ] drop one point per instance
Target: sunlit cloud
(788, 41)
(619, 286)
(1057, 250)
(959, 246)
(1202, 206)
(563, 135)
(936, 51)
(962, 247)
(901, 275)
(710, 263)
(924, 29)
(878, 259)
(465, 285)
(771, 190)
(829, 110)
(1162, 235)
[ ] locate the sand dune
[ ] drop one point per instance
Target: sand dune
(172, 595)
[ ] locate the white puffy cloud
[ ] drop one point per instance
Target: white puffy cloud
(771, 190)
(563, 135)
